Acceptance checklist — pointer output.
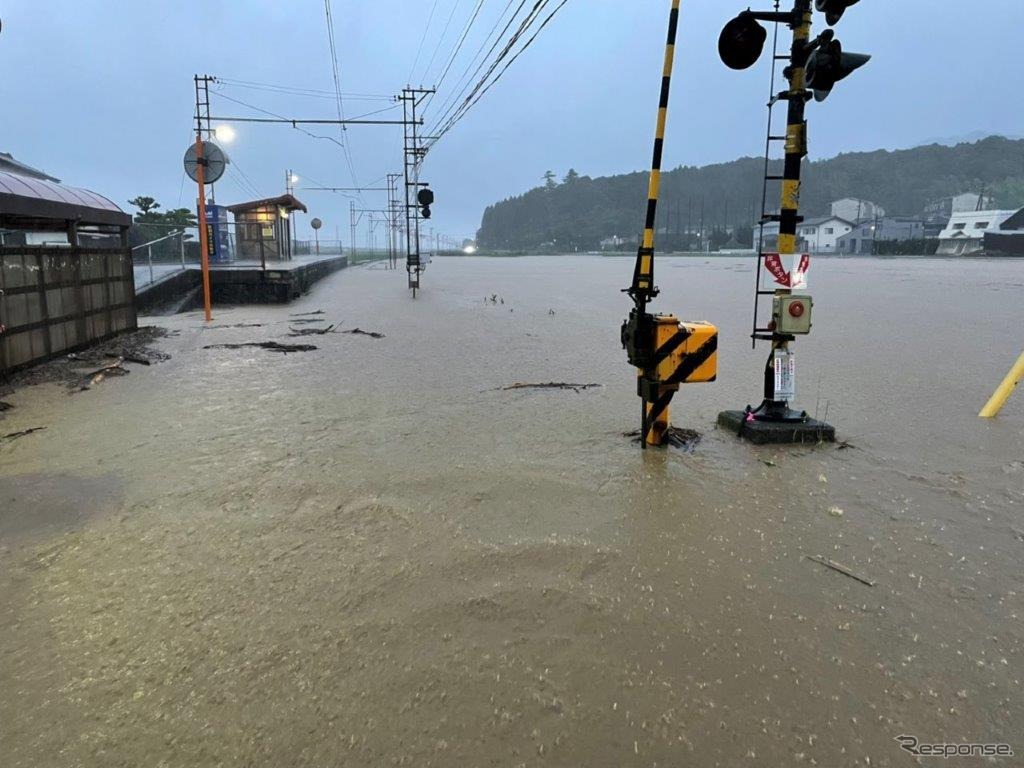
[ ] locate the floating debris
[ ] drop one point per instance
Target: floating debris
(840, 568)
(361, 332)
(89, 380)
(22, 433)
(306, 314)
(312, 331)
(307, 320)
(236, 325)
(133, 347)
(271, 346)
(551, 385)
(132, 359)
(836, 511)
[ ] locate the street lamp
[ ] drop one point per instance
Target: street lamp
(225, 134)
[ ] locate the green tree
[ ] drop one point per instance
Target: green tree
(182, 217)
(903, 182)
(571, 177)
(147, 206)
(1008, 194)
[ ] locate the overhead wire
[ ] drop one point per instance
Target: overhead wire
(464, 81)
(423, 39)
(440, 40)
(480, 91)
(337, 91)
(297, 91)
(439, 84)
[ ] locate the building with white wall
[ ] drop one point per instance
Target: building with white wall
(855, 210)
(965, 232)
(822, 235)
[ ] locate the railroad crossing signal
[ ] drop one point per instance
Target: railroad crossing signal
(830, 64)
(833, 9)
(815, 66)
(742, 43)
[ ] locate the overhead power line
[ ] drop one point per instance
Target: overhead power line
(440, 40)
(456, 50)
(423, 39)
(466, 79)
(484, 86)
(337, 90)
(297, 91)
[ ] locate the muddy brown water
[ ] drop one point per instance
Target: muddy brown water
(371, 554)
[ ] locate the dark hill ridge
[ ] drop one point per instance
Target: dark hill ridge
(581, 211)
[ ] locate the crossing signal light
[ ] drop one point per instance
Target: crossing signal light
(742, 41)
(828, 65)
(425, 197)
(833, 9)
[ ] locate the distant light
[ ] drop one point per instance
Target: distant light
(294, 179)
(224, 133)
(469, 249)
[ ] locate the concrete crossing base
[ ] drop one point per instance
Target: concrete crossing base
(806, 430)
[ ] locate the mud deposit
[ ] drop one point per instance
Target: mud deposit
(375, 554)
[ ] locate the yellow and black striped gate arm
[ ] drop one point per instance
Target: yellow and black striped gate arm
(643, 289)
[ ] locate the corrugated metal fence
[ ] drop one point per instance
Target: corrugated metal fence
(57, 299)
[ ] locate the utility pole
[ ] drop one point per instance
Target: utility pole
(815, 66)
(352, 225)
(700, 232)
(414, 153)
(393, 216)
(202, 83)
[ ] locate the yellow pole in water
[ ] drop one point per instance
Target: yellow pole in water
(1002, 394)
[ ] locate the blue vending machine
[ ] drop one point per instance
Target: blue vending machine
(218, 234)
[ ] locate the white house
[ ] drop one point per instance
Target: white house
(822, 235)
(853, 209)
(813, 236)
(612, 243)
(966, 230)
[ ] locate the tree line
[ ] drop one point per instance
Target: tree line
(723, 201)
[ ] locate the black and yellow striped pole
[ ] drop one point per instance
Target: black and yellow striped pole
(789, 210)
(643, 289)
(665, 352)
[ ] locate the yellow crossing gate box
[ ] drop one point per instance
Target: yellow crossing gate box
(687, 352)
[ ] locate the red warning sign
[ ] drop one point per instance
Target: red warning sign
(794, 278)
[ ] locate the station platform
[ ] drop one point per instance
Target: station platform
(240, 282)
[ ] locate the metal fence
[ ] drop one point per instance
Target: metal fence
(54, 299)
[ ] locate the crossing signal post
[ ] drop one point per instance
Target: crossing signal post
(814, 68)
(665, 352)
(425, 198)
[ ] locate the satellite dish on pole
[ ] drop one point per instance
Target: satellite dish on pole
(215, 159)
(316, 223)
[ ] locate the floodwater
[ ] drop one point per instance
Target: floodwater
(372, 555)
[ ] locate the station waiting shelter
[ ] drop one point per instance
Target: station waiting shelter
(263, 228)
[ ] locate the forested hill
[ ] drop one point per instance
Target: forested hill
(578, 212)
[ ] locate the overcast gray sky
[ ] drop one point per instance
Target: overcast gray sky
(100, 94)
